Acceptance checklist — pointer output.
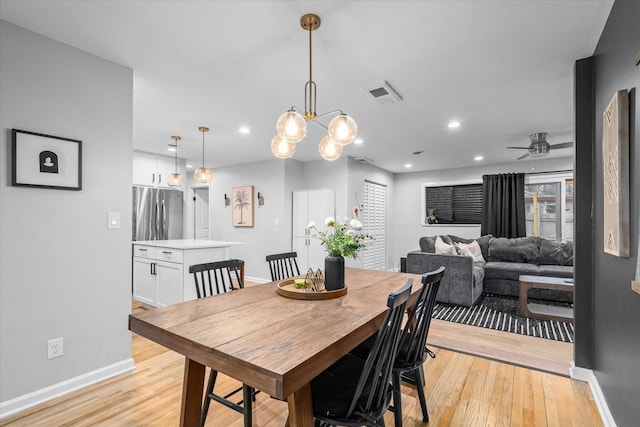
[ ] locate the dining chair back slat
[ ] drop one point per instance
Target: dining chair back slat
(283, 266)
(218, 274)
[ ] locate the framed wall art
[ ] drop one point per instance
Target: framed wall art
(615, 160)
(45, 161)
(242, 202)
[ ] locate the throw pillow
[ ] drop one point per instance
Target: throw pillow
(443, 248)
(556, 253)
(427, 244)
(470, 249)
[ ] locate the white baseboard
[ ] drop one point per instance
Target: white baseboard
(587, 375)
(37, 397)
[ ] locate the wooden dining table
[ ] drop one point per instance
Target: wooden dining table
(267, 341)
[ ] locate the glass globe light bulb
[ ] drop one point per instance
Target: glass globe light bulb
(281, 148)
(328, 149)
(175, 180)
(202, 175)
(343, 129)
(292, 126)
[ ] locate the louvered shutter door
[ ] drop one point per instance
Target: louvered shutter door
(374, 221)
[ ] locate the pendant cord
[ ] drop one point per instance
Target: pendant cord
(310, 72)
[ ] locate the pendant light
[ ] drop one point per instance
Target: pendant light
(202, 174)
(175, 179)
(291, 126)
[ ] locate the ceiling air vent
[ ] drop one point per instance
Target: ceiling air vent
(363, 159)
(383, 93)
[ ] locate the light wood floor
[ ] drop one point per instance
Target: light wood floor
(462, 390)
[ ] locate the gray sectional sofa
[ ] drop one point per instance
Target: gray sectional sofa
(503, 261)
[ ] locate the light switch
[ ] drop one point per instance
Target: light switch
(113, 219)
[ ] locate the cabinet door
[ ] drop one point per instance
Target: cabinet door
(165, 167)
(144, 287)
(300, 218)
(300, 246)
(168, 283)
(144, 169)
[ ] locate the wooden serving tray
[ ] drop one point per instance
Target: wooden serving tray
(286, 288)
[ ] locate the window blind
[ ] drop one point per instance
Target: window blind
(455, 204)
(373, 216)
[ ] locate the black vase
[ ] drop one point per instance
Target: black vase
(333, 272)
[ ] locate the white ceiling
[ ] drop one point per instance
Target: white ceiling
(502, 68)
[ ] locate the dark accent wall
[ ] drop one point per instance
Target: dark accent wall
(583, 160)
(615, 315)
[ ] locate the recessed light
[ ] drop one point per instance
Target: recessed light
(453, 124)
(244, 130)
(171, 148)
(478, 158)
(408, 165)
(189, 166)
(358, 141)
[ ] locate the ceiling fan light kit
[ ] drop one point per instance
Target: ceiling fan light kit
(539, 146)
(291, 127)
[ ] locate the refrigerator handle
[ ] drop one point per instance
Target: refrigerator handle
(163, 222)
(153, 178)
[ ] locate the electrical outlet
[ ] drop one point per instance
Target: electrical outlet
(55, 348)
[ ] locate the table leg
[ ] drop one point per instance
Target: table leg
(523, 292)
(301, 408)
(192, 389)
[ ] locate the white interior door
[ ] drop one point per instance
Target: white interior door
(201, 213)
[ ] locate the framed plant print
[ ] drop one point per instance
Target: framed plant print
(45, 161)
(242, 202)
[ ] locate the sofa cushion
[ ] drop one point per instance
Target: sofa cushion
(556, 253)
(555, 270)
(483, 242)
(427, 244)
(508, 270)
(519, 249)
(456, 239)
(470, 249)
(444, 248)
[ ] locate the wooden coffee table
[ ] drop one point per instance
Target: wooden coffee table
(543, 311)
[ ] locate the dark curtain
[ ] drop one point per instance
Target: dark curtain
(503, 205)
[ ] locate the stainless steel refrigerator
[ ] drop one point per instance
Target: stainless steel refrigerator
(157, 214)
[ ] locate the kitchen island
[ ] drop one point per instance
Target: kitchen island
(161, 268)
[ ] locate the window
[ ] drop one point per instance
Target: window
(549, 206)
(452, 204)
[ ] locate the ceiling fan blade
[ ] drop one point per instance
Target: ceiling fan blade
(519, 148)
(523, 156)
(562, 145)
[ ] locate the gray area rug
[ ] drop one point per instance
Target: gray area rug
(501, 313)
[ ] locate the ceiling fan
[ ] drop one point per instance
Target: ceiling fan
(539, 146)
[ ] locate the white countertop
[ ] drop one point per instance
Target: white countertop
(186, 243)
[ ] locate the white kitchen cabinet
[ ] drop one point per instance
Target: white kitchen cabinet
(308, 206)
(152, 169)
(161, 268)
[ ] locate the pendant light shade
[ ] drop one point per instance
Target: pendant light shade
(175, 179)
(281, 148)
(291, 126)
(202, 174)
(329, 150)
(343, 129)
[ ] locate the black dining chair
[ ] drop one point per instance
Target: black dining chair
(413, 349)
(283, 266)
(357, 392)
(222, 276)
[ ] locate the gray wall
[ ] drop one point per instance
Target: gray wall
(62, 272)
(616, 308)
(265, 237)
(408, 211)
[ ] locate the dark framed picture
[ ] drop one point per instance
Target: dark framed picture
(242, 202)
(45, 161)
